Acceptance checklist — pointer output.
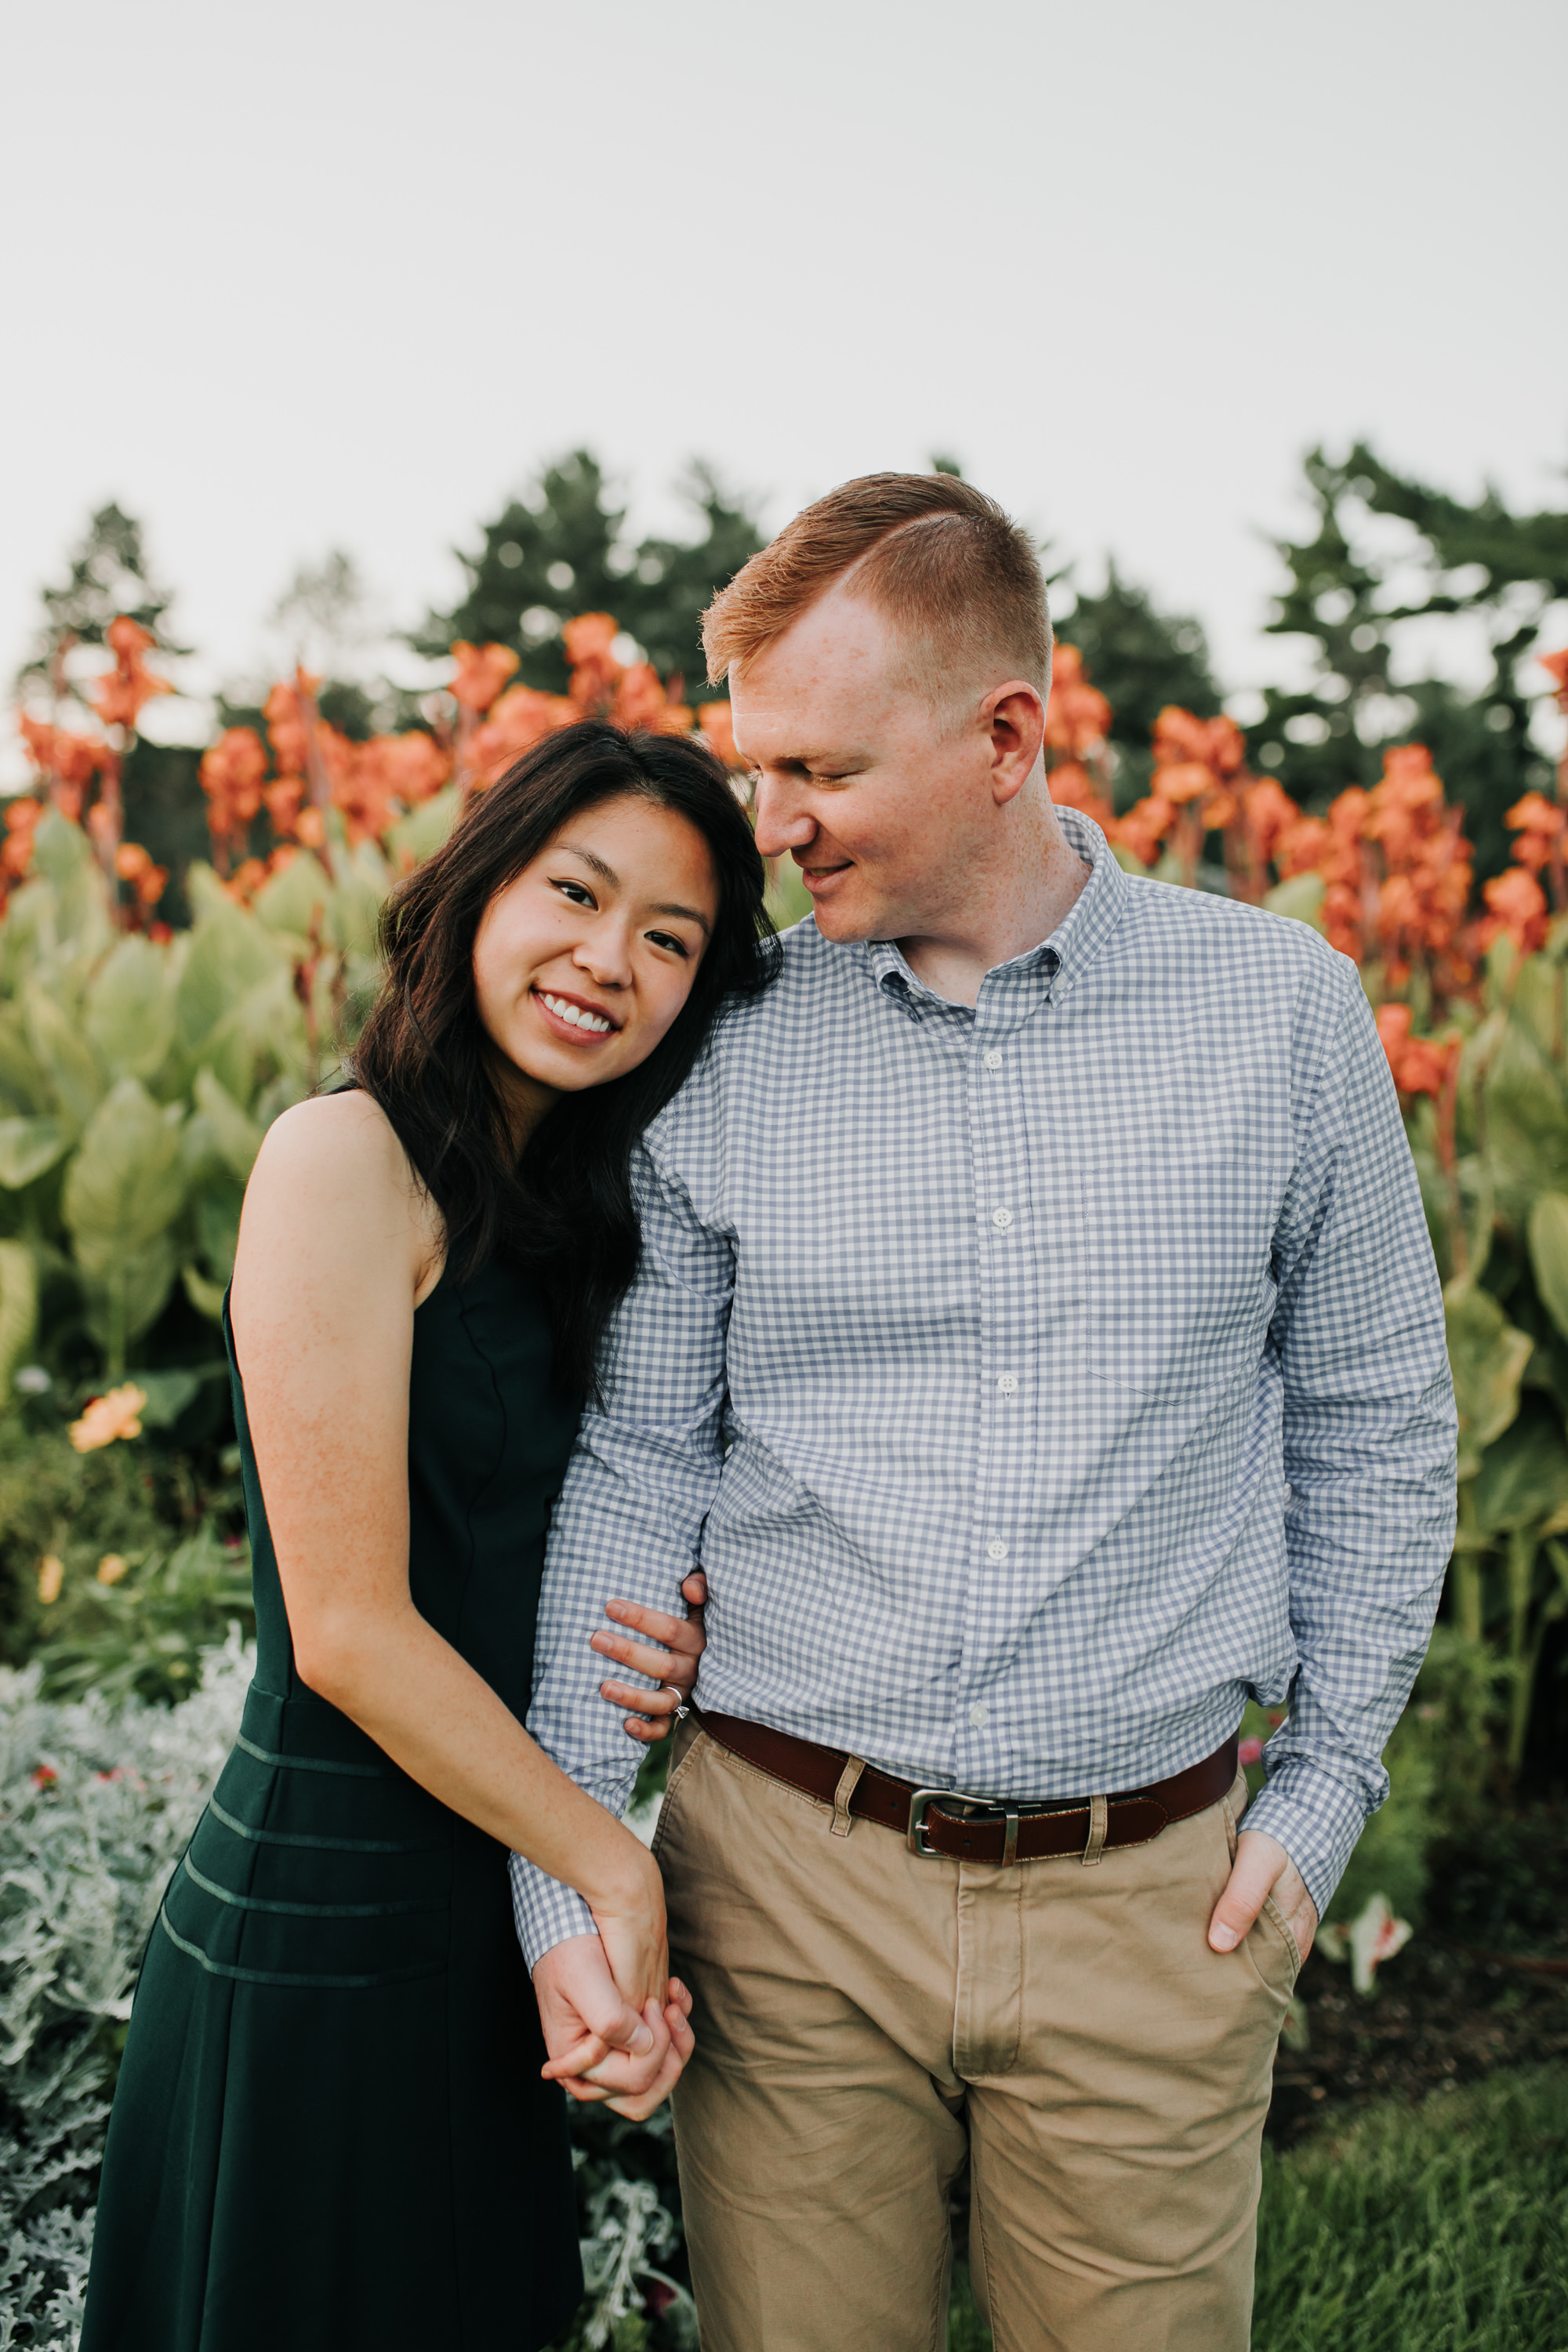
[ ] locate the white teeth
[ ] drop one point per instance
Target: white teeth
(575, 1015)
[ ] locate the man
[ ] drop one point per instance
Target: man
(1037, 1343)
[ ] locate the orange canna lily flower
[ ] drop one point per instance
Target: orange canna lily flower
(1535, 813)
(518, 720)
(717, 721)
(1183, 780)
(589, 637)
(114, 1415)
(71, 759)
(245, 880)
(284, 800)
(1078, 716)
(1144, 827)
(1217, 744)
(120, 697)
(1518, 902)
(1072, 786)
(482, 671)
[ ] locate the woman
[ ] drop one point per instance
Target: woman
(331, 2129)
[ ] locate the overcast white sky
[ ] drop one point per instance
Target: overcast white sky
(328, 273)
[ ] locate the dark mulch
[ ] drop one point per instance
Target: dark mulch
(1455, 2003)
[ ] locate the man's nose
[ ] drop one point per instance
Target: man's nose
(781, 823)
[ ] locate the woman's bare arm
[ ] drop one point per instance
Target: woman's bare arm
(337, 1244)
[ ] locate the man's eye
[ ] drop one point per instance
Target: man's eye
(578, 892)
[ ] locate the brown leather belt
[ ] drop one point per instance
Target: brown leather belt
(986, 1829)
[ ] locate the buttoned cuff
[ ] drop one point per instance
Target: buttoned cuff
(1316, 1817)
(545, 1911)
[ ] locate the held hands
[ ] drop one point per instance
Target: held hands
(1261, 1868)
(673, 1665)
(600, 2047)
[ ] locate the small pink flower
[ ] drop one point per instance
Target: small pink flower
(43, 1776)
(1249, 1751)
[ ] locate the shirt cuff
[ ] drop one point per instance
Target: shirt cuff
(546, 1912)
(1315, 1816)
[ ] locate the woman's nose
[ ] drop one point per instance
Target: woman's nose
(605, 955)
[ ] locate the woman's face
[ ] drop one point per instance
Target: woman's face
(584, 961)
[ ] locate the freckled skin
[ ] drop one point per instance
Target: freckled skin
(935, 829)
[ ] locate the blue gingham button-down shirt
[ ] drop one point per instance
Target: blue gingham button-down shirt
(1034, 1381)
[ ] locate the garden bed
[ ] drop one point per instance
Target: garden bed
(1461, 2000)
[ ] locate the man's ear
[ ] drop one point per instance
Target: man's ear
(1015, 718)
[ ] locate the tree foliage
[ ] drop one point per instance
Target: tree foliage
(1350, 591)
(561, 549)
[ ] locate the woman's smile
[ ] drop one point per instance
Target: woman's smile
(573, 1018)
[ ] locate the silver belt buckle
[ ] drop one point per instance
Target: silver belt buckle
(924, 1797)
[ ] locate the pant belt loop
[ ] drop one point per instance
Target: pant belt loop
(1099, 1822)
(848, 1780)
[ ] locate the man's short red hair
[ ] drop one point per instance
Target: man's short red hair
(936, 557)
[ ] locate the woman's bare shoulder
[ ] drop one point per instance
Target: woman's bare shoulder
(348, 1131)
(340, 1154)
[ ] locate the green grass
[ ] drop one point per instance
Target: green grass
(1443, 2227)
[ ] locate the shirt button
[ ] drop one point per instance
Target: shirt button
(1001, 1219)
(996, 1548)
(993, 1059)
(1007, 1383)
(980, 1715)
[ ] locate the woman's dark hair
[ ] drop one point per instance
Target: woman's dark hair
(564, 1211)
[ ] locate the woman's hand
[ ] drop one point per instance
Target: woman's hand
(673, 1665)
(630, 2073)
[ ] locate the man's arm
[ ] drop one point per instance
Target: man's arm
(630, 1516)
(1369, 1459)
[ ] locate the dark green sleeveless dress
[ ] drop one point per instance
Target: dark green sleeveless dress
(329, 2134)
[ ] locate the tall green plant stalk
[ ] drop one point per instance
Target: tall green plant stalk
(1523, 1642)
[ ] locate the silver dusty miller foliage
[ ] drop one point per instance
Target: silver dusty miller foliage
(97, 1803)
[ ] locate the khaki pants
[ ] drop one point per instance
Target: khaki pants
(868, 2020)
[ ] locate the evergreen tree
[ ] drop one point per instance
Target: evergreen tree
(1479, 560)
(561, 550)
(107, 576)
(165, 808)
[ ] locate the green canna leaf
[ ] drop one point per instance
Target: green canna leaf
(125, 1185)
(19, 1312)
(130, 1010)
(1487, 1357)
(28, 1145)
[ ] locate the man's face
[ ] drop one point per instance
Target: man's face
(880, 803)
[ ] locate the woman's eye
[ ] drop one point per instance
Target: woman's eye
(578, 892)
(668, 939)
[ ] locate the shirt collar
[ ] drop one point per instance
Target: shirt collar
(1059, 961)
